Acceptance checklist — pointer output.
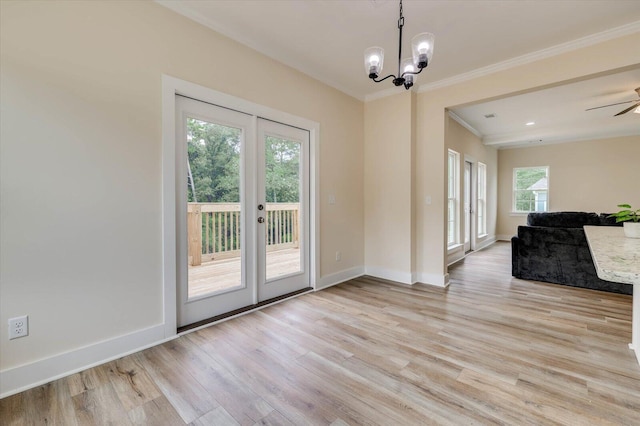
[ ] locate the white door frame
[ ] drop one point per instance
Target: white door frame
(172, 86)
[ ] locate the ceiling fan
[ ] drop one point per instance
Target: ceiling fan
(636, 104)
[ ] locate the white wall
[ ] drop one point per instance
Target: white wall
(80, 240)
(591, 176)
(388, 187)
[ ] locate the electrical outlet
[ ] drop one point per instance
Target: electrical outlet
(338, 256)
(18, 327)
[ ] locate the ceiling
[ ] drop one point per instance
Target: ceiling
(558, 113)
(326, 39)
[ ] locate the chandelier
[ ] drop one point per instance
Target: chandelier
(422, 49)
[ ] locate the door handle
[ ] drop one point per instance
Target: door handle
(260, 219)
(260, 207)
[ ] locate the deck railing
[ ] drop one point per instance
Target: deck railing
(213, 229)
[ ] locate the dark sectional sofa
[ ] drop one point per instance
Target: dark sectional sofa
(553, 248)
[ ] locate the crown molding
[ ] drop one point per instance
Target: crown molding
(589, 40)
(529, 142)
(464, 124)
(386, 93)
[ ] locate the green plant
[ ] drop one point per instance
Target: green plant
(626, 215)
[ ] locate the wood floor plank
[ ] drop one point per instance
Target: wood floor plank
(158, 411)
(244, 405)
(132, 383)
(217, 416)
(100, 406)
(188, 397)
(489, 349)
(274, 419)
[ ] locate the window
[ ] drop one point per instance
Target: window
(481, 207)
(452, 215)
(531, 189)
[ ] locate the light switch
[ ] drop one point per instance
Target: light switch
(427, 200)
(332, 199)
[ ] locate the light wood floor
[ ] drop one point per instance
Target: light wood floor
(224, 274)
(490, 349)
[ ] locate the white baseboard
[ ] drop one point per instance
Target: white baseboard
(18, 379)
(390, 274)
(455, 257)
(434, 279)
(486, 242)
(340, 277)
(408, 278)
(504, 237)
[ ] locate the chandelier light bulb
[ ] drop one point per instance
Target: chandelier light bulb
(373, 60)
(408, 68)
(422, 49)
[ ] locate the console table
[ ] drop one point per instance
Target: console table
(617, 258)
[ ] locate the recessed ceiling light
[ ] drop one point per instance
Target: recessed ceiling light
(531, 123)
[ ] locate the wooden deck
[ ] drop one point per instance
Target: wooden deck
(219, 275)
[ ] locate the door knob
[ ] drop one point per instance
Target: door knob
(260, 207)
(260, 219)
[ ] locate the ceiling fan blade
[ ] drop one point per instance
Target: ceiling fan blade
(604, 106)
(628, 109)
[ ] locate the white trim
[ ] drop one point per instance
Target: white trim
(23, 377)
(559, 49)
(436, 280)
(389, 274)
(386, 93)
(339, 277)
(486, 242)
(504, 237)
(169, 271)
(455, 257)
(453, 248)
(464, 124)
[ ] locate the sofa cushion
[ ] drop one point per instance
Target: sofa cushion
(563, 219)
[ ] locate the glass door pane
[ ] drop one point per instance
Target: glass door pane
(213, 208)
(283, 209)
(282, 194)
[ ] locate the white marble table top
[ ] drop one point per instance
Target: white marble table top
(616, 257)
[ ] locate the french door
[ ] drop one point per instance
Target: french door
(242, 210)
